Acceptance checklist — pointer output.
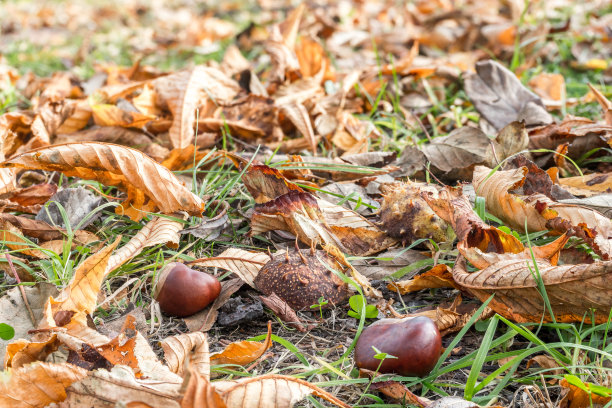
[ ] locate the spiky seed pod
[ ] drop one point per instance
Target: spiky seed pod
(404, 215)
(300, 279)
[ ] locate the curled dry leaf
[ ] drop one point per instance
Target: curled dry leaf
(589, 185)
(283, 311)
(157, 231)
(111, 115)
(82, 292)
(243, 352)
(537, 211)
(49, 119)
(38, 385)
(184, 91)
(148, 184)
(199, 392)
(33, 195)
(187, 349)
(495, 187)
(500, 97)
(582, 135)
(270, 391)
(22, 352)
(105, 389)
(316, 221)
(298, 115)
(266, 183)
(576, 292)
(252, 118)
(245, 264)
(404, 215)
(456, 155)
(439, 276)
(482, 244)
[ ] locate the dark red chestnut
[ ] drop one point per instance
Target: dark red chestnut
(416, 342)
(182, 291)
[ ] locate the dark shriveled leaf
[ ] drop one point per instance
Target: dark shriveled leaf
(500, 97)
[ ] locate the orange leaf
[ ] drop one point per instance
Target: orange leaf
(437, 277)
(578, 398)
(38, 385)
(243, 352)
(111, 115)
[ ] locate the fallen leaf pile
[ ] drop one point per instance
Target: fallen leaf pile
(316, 159)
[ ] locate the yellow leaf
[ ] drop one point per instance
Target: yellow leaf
(111, 115)
(82, 292)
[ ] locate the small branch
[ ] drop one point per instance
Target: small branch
(22, 290)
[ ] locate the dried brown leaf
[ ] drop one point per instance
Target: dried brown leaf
(316, 221)
(270, 391)
(245, 264)
(148, 184)
(439, 276)
(298, 115)
(537, 210)
(22, 352)
(157, 231)
(82, 292)
(200, 393)
(501, 98)
(184, 91)
(105, 389)
(283, 311)
(575, 292)
(38, 385)
(111, 115)
(187, 349)
(243, 352)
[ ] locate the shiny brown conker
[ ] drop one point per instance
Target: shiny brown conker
(416, 342)
(182, 291)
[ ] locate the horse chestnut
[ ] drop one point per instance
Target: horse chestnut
(182, 291)
(416, 342)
